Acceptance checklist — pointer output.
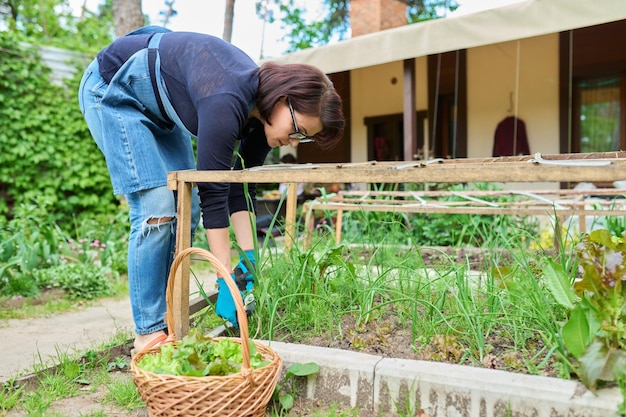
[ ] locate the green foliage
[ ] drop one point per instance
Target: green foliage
(306, 33)
(118, 364)
(124, 394)
(46, 149)
(422, 10)
(98, 241)
(28, 243)
(616, 225)
(286, 397)
(621, 384)
(363, 294)
(303, 285)
(199, 355)
(432, 229)
(9, 395)
(36, 254)
(79, 281)
(51, 22)
(595, 333)
(66, 381)
(559, 285)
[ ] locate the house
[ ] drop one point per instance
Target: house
(556, 68)
(62, 63)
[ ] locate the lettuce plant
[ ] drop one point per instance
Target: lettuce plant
(595, 332)
(199, 355)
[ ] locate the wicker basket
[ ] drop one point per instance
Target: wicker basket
(244, 394)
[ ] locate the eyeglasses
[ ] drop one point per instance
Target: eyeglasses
(296, 134)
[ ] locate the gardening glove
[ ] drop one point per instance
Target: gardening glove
(244, 278)
(225, 305)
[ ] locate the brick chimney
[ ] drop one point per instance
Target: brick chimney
(368, 16)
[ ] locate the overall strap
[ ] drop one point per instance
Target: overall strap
(153, 49)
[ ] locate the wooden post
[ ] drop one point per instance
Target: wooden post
(290, 215)
(338, 225)
(309, 224)
(582, 224)
(183, 240)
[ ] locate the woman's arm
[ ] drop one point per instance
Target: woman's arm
(219, 239)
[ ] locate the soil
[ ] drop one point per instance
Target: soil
(44, 297)
(382, 337)
(387, 338)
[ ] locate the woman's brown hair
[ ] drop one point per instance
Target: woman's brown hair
(311, 93)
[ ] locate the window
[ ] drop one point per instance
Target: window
(597, 114)
(592, 89)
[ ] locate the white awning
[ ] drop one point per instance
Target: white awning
(515, 21)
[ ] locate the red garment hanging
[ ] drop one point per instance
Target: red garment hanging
(504, 138)
(381, 148)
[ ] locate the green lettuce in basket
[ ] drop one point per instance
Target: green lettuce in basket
(199, 355)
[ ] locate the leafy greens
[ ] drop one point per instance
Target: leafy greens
(199, 355)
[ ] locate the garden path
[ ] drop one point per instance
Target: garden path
(28, 343)
(39, 342)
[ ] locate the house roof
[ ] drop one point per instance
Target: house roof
(515, 21)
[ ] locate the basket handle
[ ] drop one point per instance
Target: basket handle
(242, 318)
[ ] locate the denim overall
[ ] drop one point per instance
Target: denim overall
(141, 145)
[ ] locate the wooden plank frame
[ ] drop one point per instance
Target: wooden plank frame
(559, 203)
(593, 167)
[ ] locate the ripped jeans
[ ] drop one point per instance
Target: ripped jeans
(150, 253)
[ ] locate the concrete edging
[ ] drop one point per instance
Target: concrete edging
(385, 385)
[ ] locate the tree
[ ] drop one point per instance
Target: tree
(51, 22)
(127, 16)
(169, 12)
(229, 15)
(336, 23)
(422, 10)
(39, 18)
(303, 34)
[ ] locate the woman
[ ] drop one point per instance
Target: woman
(145, 96)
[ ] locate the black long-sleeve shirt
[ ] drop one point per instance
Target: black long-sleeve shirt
(212, 86)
